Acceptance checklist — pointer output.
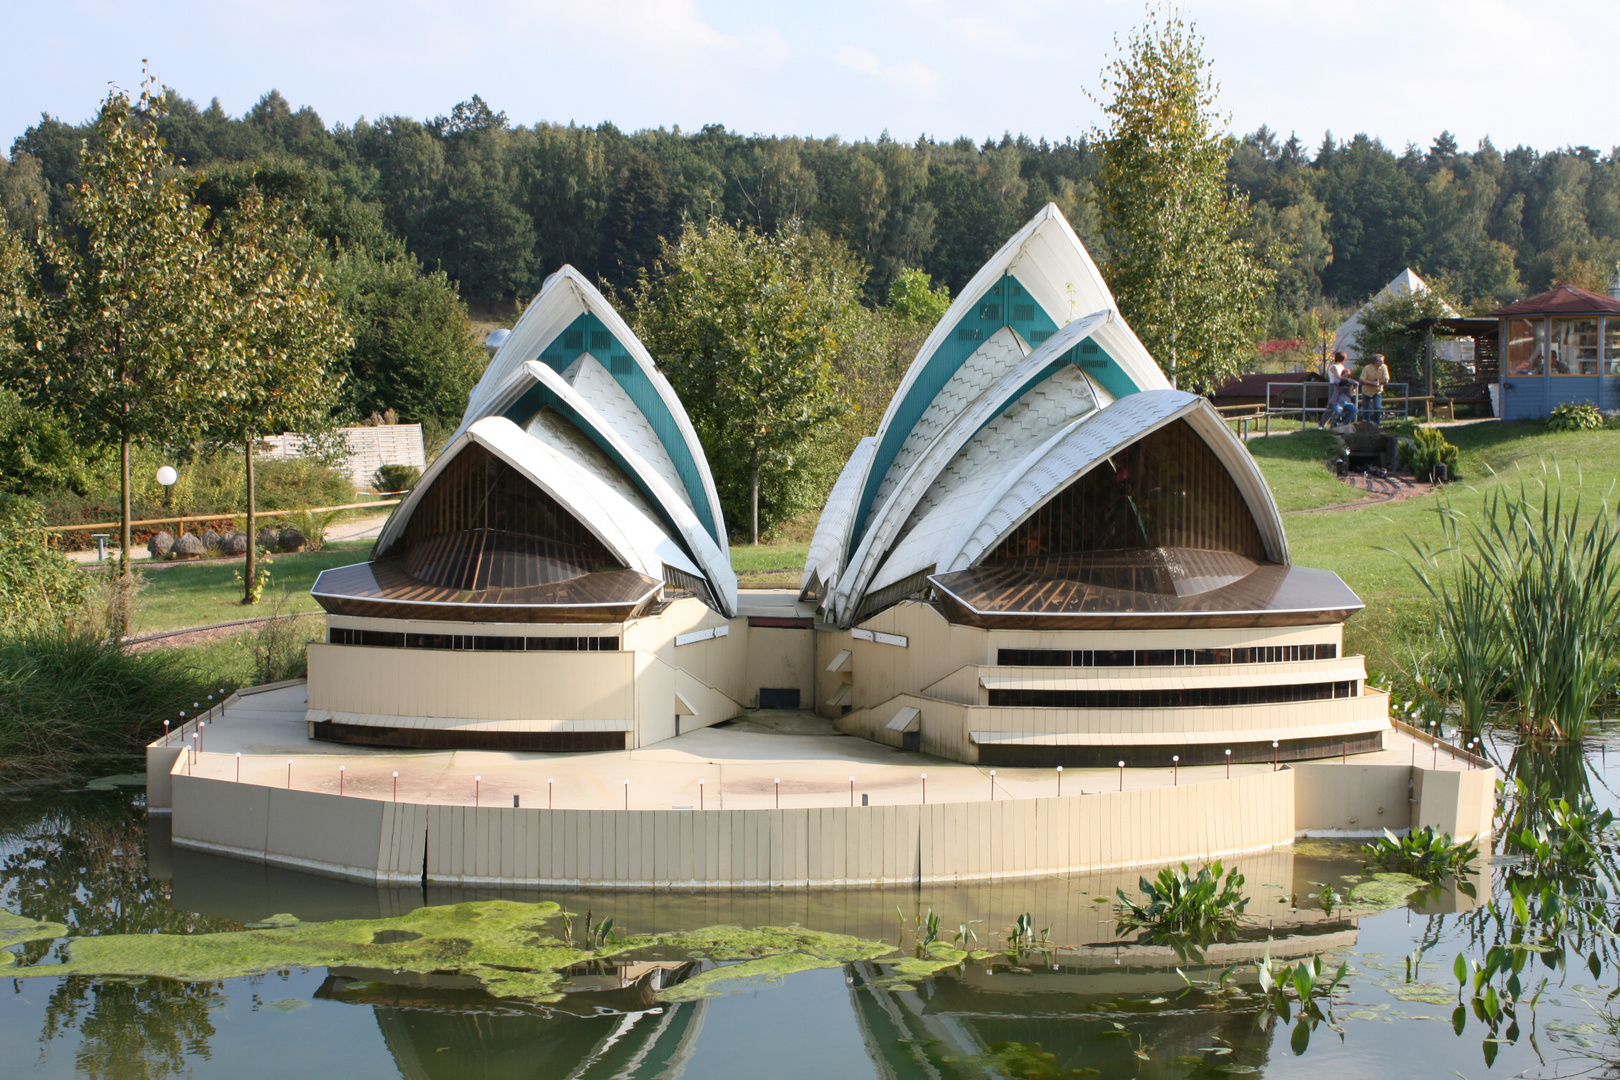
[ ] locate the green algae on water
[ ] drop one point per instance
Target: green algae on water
(1427, 993)
(1385, 891)
(504, 947)
(20, 930)
(770, 953)
(717, 980)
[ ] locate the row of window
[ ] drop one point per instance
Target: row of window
(385, 639)
(1172, 698)
(1568, 346)
(1260, 654)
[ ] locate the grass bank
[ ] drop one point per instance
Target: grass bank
(69, 701)
(177, 595)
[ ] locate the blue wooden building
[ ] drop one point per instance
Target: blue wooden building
(1559, 347)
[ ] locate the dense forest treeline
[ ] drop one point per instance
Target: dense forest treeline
(496, 206)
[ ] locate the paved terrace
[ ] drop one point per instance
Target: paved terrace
(731, 767)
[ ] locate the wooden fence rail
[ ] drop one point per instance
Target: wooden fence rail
(216, 517)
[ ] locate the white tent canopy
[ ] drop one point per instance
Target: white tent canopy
(1405, 282)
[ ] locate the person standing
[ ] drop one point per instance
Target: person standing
(1338, 373)
(1374, 377)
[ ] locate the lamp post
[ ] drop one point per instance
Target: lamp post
(1060, 781)
(167, 477)
(925, 788)
(1229, 764)
(1175, 767)
(1122, 776)
(992, 787)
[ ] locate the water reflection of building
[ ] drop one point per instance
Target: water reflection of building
(446, 1034)
(909, 1032)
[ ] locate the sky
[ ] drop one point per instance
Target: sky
(1400, 70)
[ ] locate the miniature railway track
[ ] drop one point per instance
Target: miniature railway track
(1380, 489)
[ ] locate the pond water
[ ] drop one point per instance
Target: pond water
(1081, 1003)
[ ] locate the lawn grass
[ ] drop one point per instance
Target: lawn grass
(776, 566)
(204, 593)
(1294, 467)
(1369, 547)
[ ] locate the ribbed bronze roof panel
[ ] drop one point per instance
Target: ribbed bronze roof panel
(1114, 590)
(385, 589)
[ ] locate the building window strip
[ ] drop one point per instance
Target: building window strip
(1259, 654)
(1174, 697)
(339, 635)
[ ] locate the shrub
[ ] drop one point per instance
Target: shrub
(35, 581)
(1575, 416)
(390, 478)
(279, 649)
(295, 482)
(1427, 449)
(310, 528)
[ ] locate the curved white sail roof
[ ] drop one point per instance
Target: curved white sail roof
(1085, 444)
(573, 401)
(1033, 343)
(613, 512)
(572, 329)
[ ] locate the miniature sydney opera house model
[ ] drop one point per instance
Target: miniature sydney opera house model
(1046, 557)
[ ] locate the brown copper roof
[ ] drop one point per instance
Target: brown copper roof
(383, 589)
(1063, 596)
(1564, 300)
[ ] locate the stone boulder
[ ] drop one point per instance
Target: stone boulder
(269, 538)
(234, 543)
(292, 539)
(160, 545)
(188, 547)
(210, 540)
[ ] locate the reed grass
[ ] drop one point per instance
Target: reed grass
(66, 692)
(1527, 599)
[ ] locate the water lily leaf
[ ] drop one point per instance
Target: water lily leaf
(1427, 993)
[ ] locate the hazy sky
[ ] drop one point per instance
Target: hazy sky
(1401, 70)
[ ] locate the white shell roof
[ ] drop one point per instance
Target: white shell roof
(1083, 445)
(613, 512)
(1048, 347)
(565, 296)
(614, 447)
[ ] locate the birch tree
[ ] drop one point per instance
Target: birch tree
(1184, 275)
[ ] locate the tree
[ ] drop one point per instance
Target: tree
(414, 350)
(912, 297)
(1183, 272)
(282, 336)
(745, 326)
(125, 346)
(1386, 327)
